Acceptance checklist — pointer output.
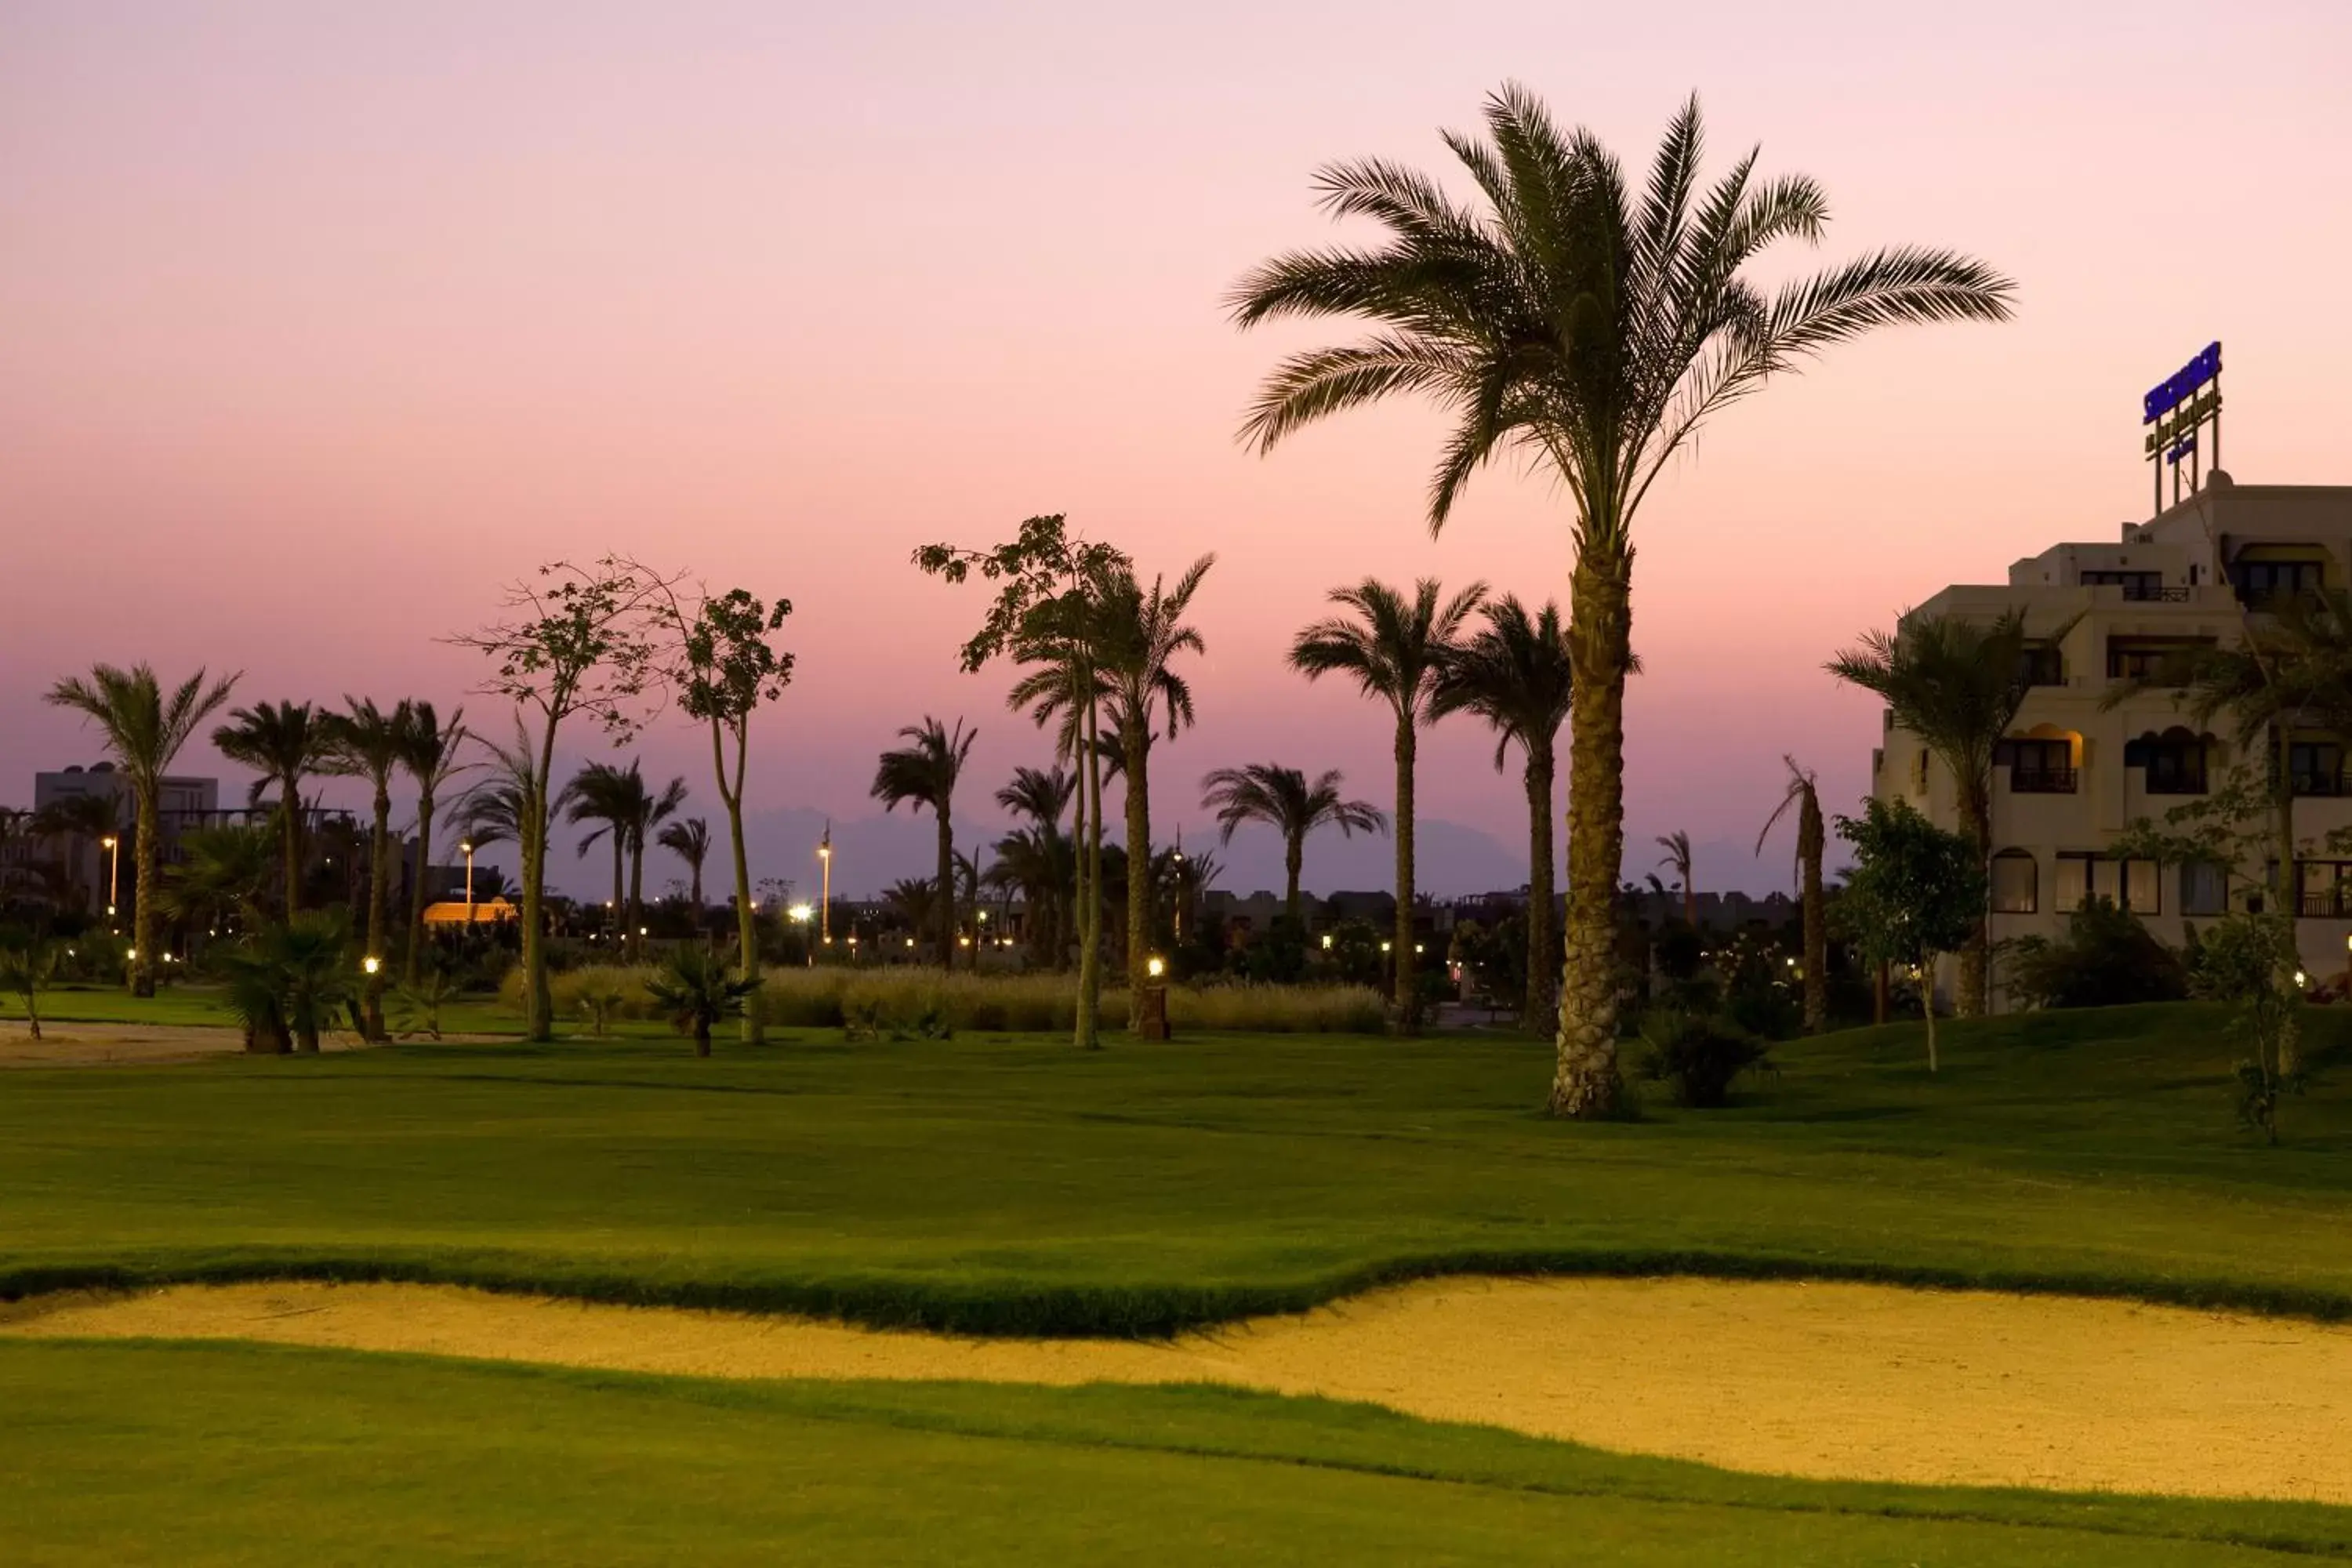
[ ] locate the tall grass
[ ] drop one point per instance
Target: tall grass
(981, 1003)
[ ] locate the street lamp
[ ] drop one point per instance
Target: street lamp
(113, 846)
(799, 915)
(467, 846)
(825, 865)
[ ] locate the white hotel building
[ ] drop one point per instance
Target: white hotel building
(2074, 773)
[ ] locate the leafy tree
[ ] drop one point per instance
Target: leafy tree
(924, 773)
(1916, 891)
(695, 990)
(2244, 960)
(1049, 590)
(688, 838)
(724, 667)
(1805, 796)
(285, 742)
(144, 730)
(429, 751)
(1516, 673)
(1282, 798)
(365, 742)
(1396, 649)
(572, 644)
(1594, 331)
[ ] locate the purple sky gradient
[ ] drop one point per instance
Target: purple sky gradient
(318, 321)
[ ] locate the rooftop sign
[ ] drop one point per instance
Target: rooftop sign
(2177, 407)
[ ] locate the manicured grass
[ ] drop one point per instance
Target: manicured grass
(253, 1454)
(1014, 1185)
(205, 1005)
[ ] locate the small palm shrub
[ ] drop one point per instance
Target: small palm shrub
(600, 996)
(1698, 1055)
(698, 991)
(28, 960)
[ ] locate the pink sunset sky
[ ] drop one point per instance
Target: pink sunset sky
(320, 322)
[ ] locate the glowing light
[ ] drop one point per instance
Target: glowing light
(1326, 942)
(1156, 967)
(800, 914)
(370, 964)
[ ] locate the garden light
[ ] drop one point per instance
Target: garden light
(1157, 967)
(370, 964)
(1326, 942)
(800, 914)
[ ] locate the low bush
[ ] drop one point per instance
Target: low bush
(1698, 1054)
(2105, 958)
(880, 1001)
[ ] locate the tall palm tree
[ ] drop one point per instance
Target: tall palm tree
(914, 903)
(688, 838)
(1516, 674)
(285, 742)
(1395, 648)
(1957, 684)
(1805, 796)
(1593, 330)
(1282, 799)
(1678, 857)
(611, 797)
(658, 809)
(144, 730)
(1143, 631)
(429, 751)
(365, 742)
(923, 773)
(1039, 864)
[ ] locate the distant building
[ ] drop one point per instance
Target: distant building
(91, 870)
(2076, 770)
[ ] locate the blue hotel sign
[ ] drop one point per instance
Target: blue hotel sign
(2176, 409)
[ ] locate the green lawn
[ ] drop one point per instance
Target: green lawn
(252, 1455)
(996, 1183)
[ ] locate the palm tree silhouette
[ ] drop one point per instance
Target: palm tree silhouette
(1395, 648)
(923, 773)
(1677, 856)
(688, 838)
(1282, 798)
(429, 751)
(285, 742)
(1593, 330)
(144, 730)
(1804, 793)
(365, 742)
(1516, 673)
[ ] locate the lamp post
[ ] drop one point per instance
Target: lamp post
(467, 846)
(113, 846)
(825, 896)
(799, 915)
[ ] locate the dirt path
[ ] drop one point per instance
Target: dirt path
(1859, 1382)
(134, 1044)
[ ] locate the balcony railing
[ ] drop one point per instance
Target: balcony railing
(2328, 904)
(2042, 780)
(2155, 593)
(2316, 783)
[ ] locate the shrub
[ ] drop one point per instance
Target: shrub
(698, 991)
(2106, 957)
(1698, 1054)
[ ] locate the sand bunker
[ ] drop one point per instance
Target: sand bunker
(1848, 1381)
(97, 1044)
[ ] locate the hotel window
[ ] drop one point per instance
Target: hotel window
(2175, 762)
(2038, 766)
(2138, 585)
(2204, 888)
(2315, 767)
(2040, 665)
(2259, 582)
(2153, 661)
(2132, 884)
(2016, 886)
(2324, 888)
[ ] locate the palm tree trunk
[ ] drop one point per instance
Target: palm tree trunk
(1585, 1082)
(633, 935)
(145, 855)
(1810, 839)
(1542, 985)
(1928, 1004)
(1973, 995)
(540, 1012)
(1089, 1025)
(379, 912)
(620, 904)
(1294, 860)
(289, 813)
(412, 964)
(2290, 892)
(947, 888)
(1138, 868)
(694, 893)
(1408, 983)
(747, 917)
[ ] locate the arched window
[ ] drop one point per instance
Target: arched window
(2016, 883)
